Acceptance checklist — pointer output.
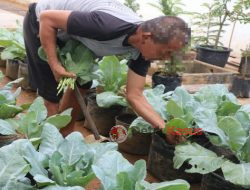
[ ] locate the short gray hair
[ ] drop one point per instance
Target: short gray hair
(165, 28)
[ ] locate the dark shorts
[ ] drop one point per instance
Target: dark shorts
(40, 74)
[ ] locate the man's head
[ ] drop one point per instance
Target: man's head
(160, 37)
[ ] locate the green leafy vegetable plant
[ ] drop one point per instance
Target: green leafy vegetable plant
(76, 58)
(58, 163)
(219, 14)
(13, 44)
(112, 79)
(31, 123)
(225, 122)
(8, 107)
(70, 163)
(118, 173)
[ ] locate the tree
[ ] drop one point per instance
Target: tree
(169, 7)
(132, 5)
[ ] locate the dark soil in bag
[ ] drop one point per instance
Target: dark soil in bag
(160, 160)
(138, 143)
(104, 118)
(12, 67)
(216, 181)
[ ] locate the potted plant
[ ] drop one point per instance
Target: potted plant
(108, 102)
(218, 17)
(245, 62)
(188, 115)
(203, 30)
(241, 83)
(29, 124)
(169, 75)
(14, 50)
(226, 124)
(8, 109)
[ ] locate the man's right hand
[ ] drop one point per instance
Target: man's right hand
(59, 72)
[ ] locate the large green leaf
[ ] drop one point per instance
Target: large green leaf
(127, 180)
(39, 108)
(9, 111)
(176, 125)
(7, 96)
(43, 180)
(108, 99)
(54, 168)
(76, 58)
(57, 187)
(155, 98)
(72, 148)
(114, 164)
(202, 160)
(169, 185)
(79, 178)
(140, 125)
(112, 73)
(244, 118)
(29, 126)
(101, 148)
(51, 139)
(228, 108)
(13, 43)
(116, 173)
(206, 120)
(237, 136)
(60, 120)
(238, 174)
(211, 96)
(34, 158)
(6, 128)
(174, 109)
(12, 164)
(245, 108)
(182, 97)
(244, 154)
(17, 184)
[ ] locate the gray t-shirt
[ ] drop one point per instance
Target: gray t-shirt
(102, 25)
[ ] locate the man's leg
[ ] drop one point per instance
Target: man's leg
(69, 100)
(40, 75)
(52, 107)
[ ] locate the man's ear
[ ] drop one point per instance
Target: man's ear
(146, 36)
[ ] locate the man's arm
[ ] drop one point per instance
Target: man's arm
(135, 87)
(50, 22)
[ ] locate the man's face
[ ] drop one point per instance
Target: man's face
(155, 51)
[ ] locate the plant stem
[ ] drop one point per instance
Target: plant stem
(220, 29)
(231, 37)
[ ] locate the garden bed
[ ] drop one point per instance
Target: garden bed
(198, 72)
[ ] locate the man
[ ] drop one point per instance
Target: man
(107, 28)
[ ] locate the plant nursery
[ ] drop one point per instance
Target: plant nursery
(124, 95)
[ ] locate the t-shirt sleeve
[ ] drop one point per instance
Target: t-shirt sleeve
(139, 66)
(97, 25)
